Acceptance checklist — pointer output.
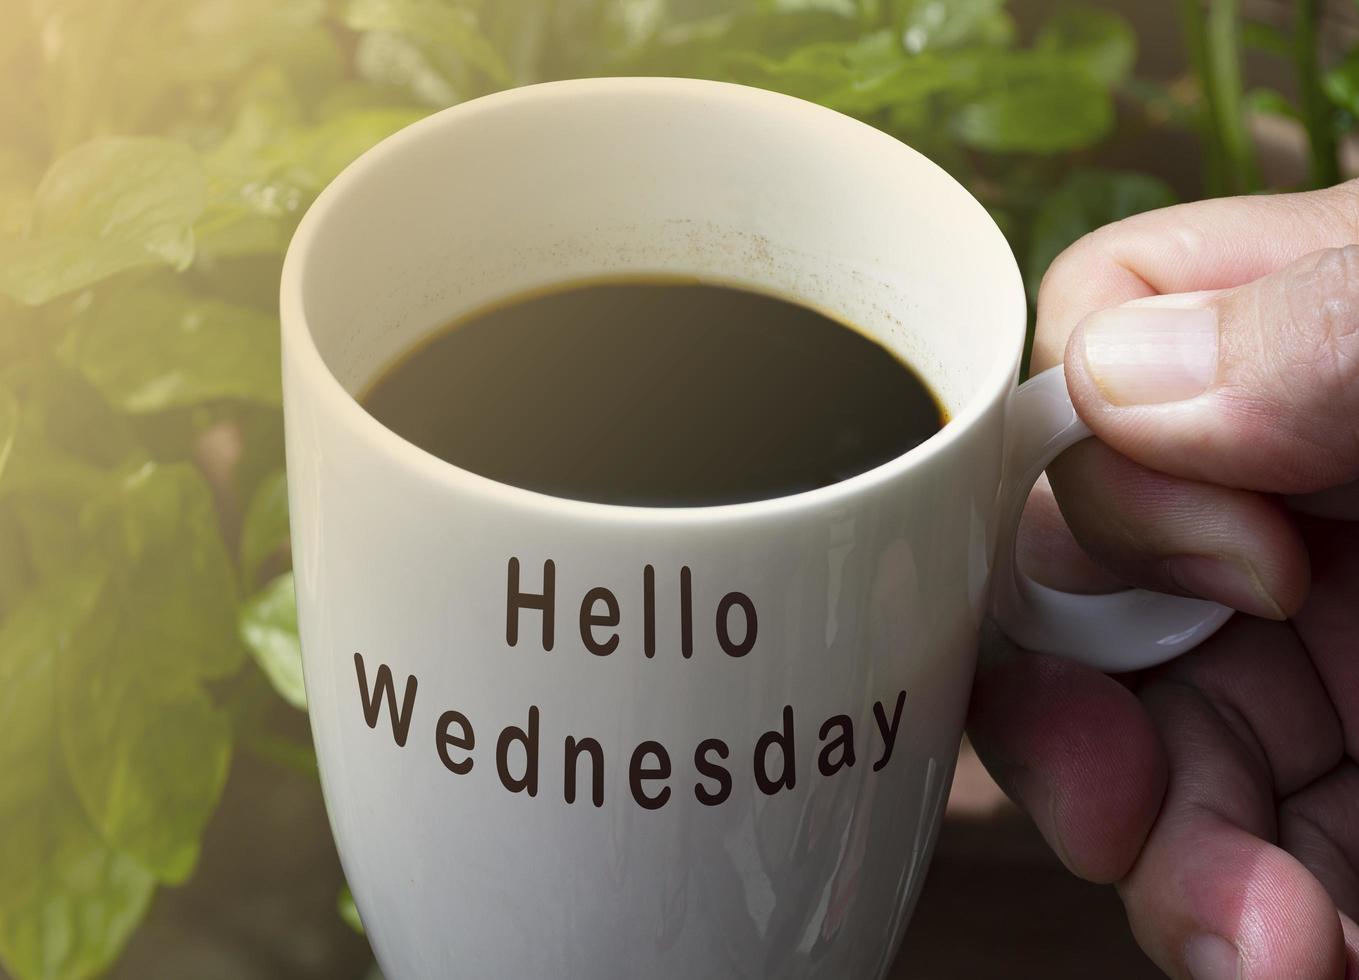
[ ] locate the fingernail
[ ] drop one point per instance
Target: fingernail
(1209, 957)
(1149, 356)
(1231, 581)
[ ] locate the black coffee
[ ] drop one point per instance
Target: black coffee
(655, 392)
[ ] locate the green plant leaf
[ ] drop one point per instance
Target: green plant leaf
(437, 25)
(146, 749)
(131, 66)
(155, 345)
(1033, 105)
(108, 205)
(159, 528)
(17, 179)
(67, 443)
(395, 59)
(268, 625)
(248, 210)
(148, 754)
(9, 427)
(265, 529)
(349, 912)
(1084, 201)
(16, 573)
(61, 412)
(1099, 42)
(1270, 102)
(1341, 84)
(707, 47)
(299, 756)
(311, 158)
(69, 918)
(817, 70)
(268, 167)
(842, 8)
(860, 78)
(924, 25)
(68, 901)
(153, 527)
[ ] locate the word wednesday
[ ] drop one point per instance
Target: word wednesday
(774, 760)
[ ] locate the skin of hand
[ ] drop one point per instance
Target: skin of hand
(1214, 350)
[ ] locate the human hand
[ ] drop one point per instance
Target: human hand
(1221, 791)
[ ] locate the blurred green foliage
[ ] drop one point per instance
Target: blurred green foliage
(156, 156)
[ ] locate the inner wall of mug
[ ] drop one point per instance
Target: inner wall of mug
(617, 177)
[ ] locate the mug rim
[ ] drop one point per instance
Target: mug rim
(324, 388)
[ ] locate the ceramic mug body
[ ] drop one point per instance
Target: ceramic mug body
(572, 740)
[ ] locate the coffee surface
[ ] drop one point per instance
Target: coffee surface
(656, 393)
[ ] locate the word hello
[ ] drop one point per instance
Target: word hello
(774, 760)
(593, 617)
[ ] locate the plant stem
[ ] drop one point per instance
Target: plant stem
(1196, 52)
(1317, 113)
(1224, 56)
(298, 756)
(1214, 47)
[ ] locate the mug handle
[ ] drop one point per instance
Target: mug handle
(1118, 631)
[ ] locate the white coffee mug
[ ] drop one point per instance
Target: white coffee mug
(749, 784)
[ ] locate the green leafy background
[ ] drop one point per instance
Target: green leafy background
(157, 155)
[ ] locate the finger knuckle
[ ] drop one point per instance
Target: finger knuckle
(1323, 312)
(1324, 300)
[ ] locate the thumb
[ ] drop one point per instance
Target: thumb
(1255, 388)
